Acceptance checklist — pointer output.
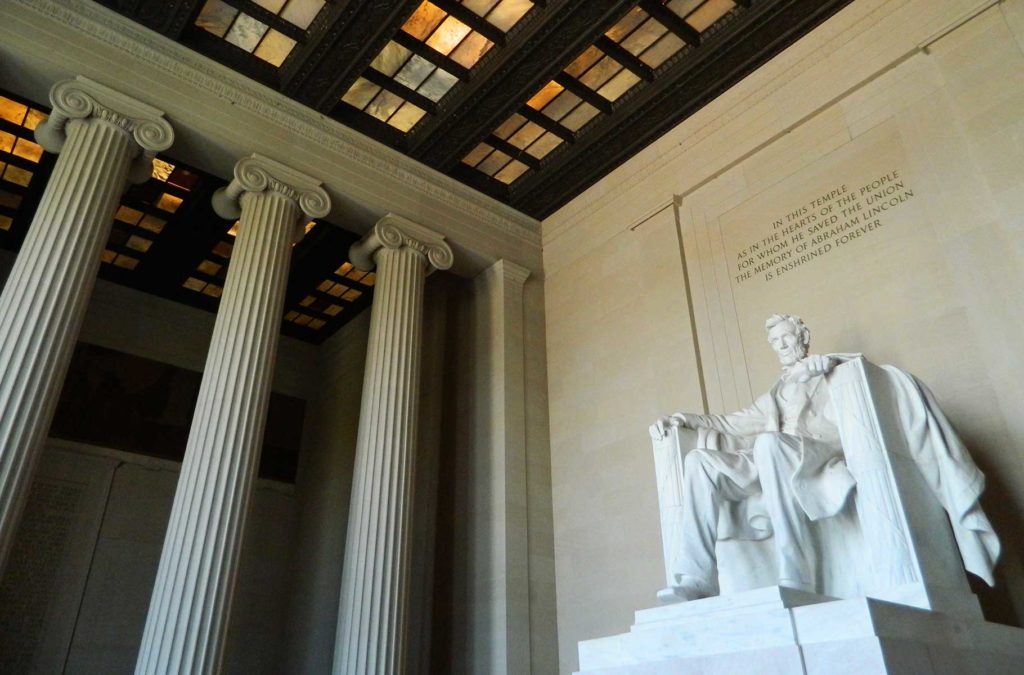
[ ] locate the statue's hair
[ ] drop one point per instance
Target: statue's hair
(799, 327)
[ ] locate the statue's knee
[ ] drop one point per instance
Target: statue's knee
(695, 465)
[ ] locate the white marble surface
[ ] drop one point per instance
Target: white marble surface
(778, 630)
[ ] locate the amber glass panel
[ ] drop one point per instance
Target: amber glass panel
(510, 126)
(662, 50)
(471, 50)
(626, 24)
(544, 96)
(168, 202)
(209, 267)
(28, 150)
(575, 120)
(12, 111)
(708, 13)
(34, 118)
(448, 35)
(543, 145)
(126, 214)
(161, 169)
(137, 243)
(17, 176)
(643, 37)
(507, 13)
(390, 59)
(384, 105)
(302, 12)
(275, 47)
(216, 17)
(588, 58)
(477, 154)
(360, 93)
(127, 262)
(152, 224)
(7, 141)
(601, 72)
(561, 106)
(406, 117)
(526, 135)
(618, 85)
(494, 162)
(511, 172)
(424, 20)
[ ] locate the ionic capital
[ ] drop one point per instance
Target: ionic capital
(396, 232)
(81, 99)
(259, 174)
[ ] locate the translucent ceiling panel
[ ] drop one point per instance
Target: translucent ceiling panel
(507, 13)
(708, 13)
(247, 33)
(302, 12)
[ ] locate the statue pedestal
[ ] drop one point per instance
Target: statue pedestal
(781, 631)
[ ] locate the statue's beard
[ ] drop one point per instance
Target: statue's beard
(792, 358)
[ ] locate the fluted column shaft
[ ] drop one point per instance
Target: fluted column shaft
(46, 295)
(188, 612)
(373, 607)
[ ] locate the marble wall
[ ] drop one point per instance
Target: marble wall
(870, 179)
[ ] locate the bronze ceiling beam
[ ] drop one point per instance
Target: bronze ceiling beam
(625, 57)
(169, 17)
(728, 52)
(341, 46)
(534, 55)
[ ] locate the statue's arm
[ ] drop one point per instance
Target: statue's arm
(746, 422)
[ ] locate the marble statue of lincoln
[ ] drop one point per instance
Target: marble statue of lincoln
(794, 434)
(783, 460)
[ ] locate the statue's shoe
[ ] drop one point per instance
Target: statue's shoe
(688, 588)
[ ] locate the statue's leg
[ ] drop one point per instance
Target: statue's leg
(777, 457)
(704, 488)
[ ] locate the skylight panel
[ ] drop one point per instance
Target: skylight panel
(20, 156)
(144, 212)
(628, 54)
(271, 42)
(438, 44)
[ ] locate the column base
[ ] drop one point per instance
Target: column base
(783, 631)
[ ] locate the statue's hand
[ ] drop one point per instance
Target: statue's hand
(661, 426)
(814, 365)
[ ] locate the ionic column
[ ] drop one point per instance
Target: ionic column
(371, 615)
(188, 612)
(104, 139)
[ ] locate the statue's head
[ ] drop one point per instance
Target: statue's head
(788, 336)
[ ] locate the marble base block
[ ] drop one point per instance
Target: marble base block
(781, 631)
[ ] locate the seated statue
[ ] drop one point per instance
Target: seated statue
(809, 451)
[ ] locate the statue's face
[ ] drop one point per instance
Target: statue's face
(786, 342)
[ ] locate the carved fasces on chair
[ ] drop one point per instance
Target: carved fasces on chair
(668, 467)
(881, 515)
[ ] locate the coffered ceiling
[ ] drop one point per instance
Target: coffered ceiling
(529, 101)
